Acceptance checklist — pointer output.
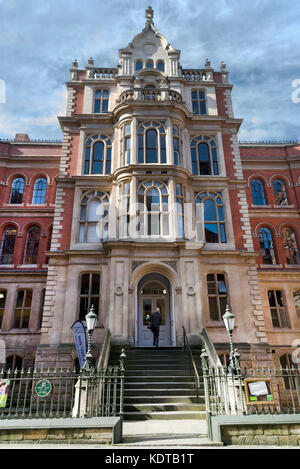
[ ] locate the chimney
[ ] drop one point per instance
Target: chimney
(21, 138)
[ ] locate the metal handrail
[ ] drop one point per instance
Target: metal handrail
(187, 346)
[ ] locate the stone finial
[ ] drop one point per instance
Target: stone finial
(207, 63)
(223, 67)
(75, 64)
(91, 62)
(149, 15)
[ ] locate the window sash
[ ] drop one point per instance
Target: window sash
(22, 309)
(91, 295)
(217, 295)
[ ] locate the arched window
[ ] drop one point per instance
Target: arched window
(153, 209)
(8, 245)
(98, 155)
(17, 189)
(149, 64)
(204, 156)
(290, 246)
(138, 65)
(266, 246)
(32, 245)
(101, 102)
(258, 193)
(213, 217)
(160, 65)
(280, 193)
(39, 191)
(93, 224)
(152, 143)
(199, 102)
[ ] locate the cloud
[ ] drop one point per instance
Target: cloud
(258, 40)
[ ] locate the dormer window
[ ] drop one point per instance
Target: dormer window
(101, 102)
(199, 103)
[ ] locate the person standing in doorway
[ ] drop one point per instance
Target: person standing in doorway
(155, 321)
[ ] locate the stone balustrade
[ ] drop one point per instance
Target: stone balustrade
(197, 75)
(149, 94)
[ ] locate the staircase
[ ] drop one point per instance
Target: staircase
(159, 385)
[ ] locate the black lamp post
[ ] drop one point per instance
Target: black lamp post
(91, 321)
(229, 319)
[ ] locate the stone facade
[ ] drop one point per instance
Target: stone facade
(149, 142)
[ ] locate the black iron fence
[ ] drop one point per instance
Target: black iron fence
(62, 393)
(246, 391)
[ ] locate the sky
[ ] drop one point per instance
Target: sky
(258, 41)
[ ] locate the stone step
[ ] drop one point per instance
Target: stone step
(146, 378)
(142, 392)
(158, 399)
(167, 407)
(164, 384)
(173, 440)
(171, 415)
(158, 372)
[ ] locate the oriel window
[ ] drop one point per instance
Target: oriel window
(152, 143)
(153, 209)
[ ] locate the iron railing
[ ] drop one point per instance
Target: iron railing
(193, 366)
(62, 393)
(248, 391)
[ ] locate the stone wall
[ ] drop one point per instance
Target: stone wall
(275, 435)
(65, 435)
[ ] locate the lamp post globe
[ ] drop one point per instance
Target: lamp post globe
(91, 321)
(229, 320)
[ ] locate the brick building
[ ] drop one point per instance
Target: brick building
(153, 202)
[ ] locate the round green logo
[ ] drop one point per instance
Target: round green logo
(43, 388)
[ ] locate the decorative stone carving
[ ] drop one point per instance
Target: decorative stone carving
(119, 289)
(191, 290)
(172, 264)
(136, 264)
